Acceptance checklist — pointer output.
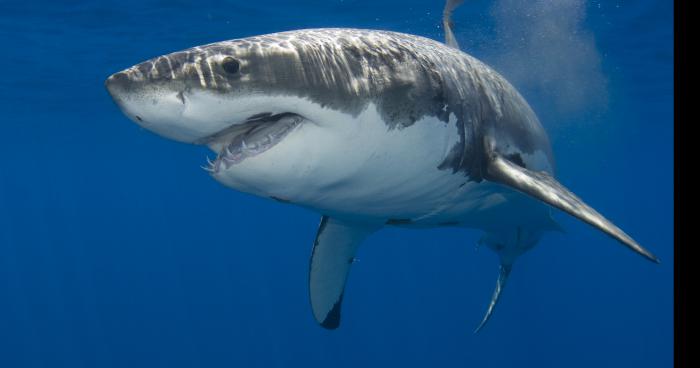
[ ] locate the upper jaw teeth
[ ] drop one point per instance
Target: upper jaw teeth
(243, 143)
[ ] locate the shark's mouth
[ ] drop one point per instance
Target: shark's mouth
(256, 135)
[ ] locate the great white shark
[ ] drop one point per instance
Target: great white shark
(369, 128)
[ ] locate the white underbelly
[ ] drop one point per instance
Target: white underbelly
(380, 172)
(358, 167)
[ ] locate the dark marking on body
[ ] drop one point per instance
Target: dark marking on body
(516, 159)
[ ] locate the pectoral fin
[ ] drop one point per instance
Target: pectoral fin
(544, 187)
(333, 253)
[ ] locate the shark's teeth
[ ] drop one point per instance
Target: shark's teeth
(254, 140)
(229, 158)
(212, 166)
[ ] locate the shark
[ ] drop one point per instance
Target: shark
(368, 128)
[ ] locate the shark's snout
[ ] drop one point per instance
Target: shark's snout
(155, 103)
(117, 84)
(117, 80)
(164, 73)
(177, 96)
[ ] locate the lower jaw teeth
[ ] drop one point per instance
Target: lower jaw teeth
(239, 152)
(239, 149)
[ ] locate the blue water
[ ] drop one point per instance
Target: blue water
(117, 250)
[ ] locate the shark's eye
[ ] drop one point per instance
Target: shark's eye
(230, 65)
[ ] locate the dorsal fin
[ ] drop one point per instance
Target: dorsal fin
(544, 187)
(450, 5)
